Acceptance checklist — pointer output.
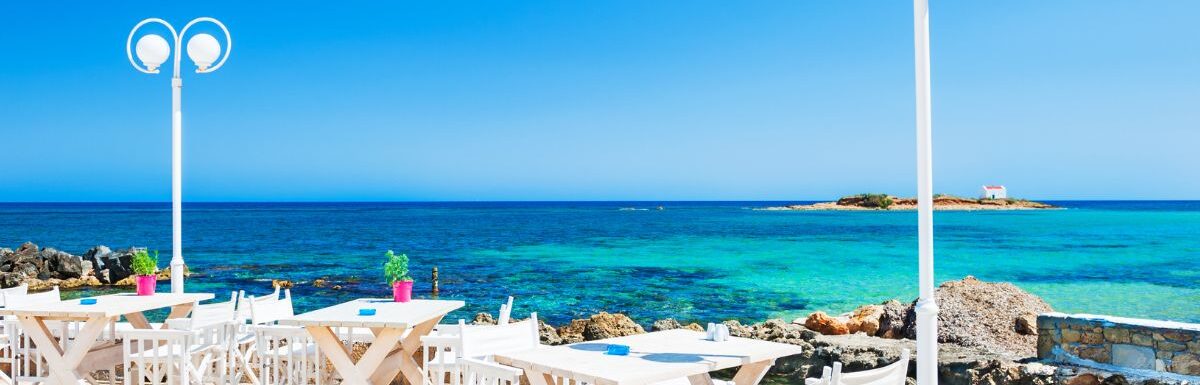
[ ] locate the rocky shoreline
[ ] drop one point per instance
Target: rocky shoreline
(44, 268)
(987, 335)
(875, 202)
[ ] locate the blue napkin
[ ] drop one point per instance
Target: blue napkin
(366, 311)
(87, 301)
(617, 350)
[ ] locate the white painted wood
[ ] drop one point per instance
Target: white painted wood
(895, 373)
(653, 357)
(382, 361)
(107, 306)
(388, 314)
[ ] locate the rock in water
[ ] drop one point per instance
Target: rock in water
(824, 324)
(865, 319)
(599, 326)
(982, 314)
(483, 319)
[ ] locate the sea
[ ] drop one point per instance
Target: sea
(693, 261)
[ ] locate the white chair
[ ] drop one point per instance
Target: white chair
(28, 364)
(442, 355)
(893, 374)
(288, 356)
(6, 350)
(241, 358)
(480, 372)
(193, 351)
(503, 317)
(284, 354)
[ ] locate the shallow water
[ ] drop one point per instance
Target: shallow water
(694, 261)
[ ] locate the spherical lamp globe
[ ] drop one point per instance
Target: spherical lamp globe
(153, 51)
(203, 49)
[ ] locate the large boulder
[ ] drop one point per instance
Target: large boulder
(672, 324)
(974, 313)
(23, 263)
(599, 326)
(865, 319)
(825, 324)
(115, 266)
(61, 265)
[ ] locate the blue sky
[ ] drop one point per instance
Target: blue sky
(606, 100)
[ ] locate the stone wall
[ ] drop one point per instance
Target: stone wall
(1124, 342)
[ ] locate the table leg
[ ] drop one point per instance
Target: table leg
(353, 373)
(538, 378)
(406, 359)
(139, 321)
(752, 373)
(63, 364)
(700, 379)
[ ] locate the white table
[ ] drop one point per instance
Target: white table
(653, 357)
(388, 355)
(66, 366)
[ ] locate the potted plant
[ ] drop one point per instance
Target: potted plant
(396, 271)
(145, 269)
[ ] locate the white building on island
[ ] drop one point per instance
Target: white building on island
(994, 192)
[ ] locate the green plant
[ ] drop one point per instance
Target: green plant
(143, 263)
(876, 200)
(396, 268)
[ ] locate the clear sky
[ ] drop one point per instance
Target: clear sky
(605, 100)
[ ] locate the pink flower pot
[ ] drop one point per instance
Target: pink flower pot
(146, 284)
(402, 291)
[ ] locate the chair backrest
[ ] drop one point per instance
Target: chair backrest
(159, 357)
(484, 341)
(505, 312)
(479, 372)
(243, 303)
(287, 356)
(212, 314)
(269, 312)
(893, 374)
(16, 290)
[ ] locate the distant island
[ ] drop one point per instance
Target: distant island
(940, 202)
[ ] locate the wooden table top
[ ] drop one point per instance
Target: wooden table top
(107, 306)
(388, 314)
(653, 357)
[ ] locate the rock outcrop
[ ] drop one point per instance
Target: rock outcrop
(599, 326)
(671, 324)
(986, 315)
(43, 268)
(824, 324)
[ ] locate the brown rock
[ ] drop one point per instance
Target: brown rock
(865, 319)
(599, 326)
(891, 322)
(320, 282)
(824, 324)
(1026, 324)
(282, 283)
(1186, 364)
(483, 319)
(1178, 335)
(1117, 335)
(1092, 338)
(1084, 379)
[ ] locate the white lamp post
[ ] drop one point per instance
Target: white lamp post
(927, 309)
(153, 51)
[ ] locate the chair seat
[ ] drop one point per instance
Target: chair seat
(173, 350)
(309, 349)
(685, 381)
(125, 326)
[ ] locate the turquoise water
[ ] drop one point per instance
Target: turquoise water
(699, 261)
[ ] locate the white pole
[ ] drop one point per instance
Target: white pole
(176, 184)
(926, 309)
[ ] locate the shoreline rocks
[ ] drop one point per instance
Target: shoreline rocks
(44, 268)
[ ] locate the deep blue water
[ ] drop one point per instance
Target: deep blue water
(700, 261)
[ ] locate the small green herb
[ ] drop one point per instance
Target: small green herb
(143, 263)
(396, 268)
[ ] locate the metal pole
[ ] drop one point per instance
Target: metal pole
(176, 183)
(926, 309)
